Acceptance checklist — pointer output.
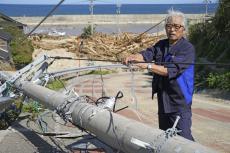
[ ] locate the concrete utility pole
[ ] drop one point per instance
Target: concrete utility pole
(91, 14)
(124, 134)
(118, 16)
(206, 6)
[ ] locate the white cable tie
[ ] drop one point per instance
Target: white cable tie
(175, 123)
(141, 143)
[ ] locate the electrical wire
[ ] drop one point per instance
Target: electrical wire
(102, 84)
(136, 62)
(55, 7)
(63, 85)
(133, 88)
(138, 36)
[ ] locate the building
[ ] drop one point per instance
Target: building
(5, 39)
(6, 20)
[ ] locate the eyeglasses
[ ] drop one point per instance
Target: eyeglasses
(175, 26)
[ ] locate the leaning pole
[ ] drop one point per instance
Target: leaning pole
(119, 132)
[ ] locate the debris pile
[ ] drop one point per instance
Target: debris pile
(98, 46)
(6, 66)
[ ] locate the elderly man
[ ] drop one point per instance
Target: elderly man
(173, 82)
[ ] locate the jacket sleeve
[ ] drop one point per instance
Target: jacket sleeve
(176, 68)
(148, 54)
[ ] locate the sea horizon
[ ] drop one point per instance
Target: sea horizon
(83, 9)
(121, 4)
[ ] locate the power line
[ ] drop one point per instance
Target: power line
(136, 62)
(55, 7)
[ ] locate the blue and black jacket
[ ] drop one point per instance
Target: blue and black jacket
(175, 91)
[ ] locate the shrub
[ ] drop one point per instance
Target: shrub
(10, 114)
(220, 81)
(87, 32)
(21, 47)
(212, 44)
(31, 107)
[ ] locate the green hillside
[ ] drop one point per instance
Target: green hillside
(21, 47)
(212, 42)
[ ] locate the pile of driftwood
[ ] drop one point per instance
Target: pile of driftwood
(100, 46)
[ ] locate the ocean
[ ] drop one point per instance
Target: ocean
(42, 10)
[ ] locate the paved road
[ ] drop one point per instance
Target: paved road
(211, 119)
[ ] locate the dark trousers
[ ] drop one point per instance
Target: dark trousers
(167, 120)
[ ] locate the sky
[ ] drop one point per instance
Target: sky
(103, 1)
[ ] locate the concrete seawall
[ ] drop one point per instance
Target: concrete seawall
(103, 19)
(74, 24)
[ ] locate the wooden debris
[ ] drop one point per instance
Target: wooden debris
(100, 45)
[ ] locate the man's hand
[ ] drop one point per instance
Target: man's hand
(142, 65)
(133, 58)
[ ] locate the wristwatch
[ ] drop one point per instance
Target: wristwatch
(149, 67)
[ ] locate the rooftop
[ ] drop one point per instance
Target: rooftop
(9, 19)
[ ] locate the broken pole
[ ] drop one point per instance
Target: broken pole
(117, 131)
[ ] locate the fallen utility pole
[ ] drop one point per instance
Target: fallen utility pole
(119, 132)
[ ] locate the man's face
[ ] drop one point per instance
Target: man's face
(174, 28)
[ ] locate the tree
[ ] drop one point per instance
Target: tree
(212, 43)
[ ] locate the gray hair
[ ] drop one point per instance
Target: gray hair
(172, 13)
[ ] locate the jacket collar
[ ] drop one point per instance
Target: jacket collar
(178, 43)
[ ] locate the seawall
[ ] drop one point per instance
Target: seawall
(103, 19)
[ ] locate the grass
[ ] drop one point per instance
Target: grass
(10, 114)
(101, 72)
(56, 85)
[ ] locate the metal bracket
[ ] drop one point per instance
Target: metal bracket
(19, 73)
